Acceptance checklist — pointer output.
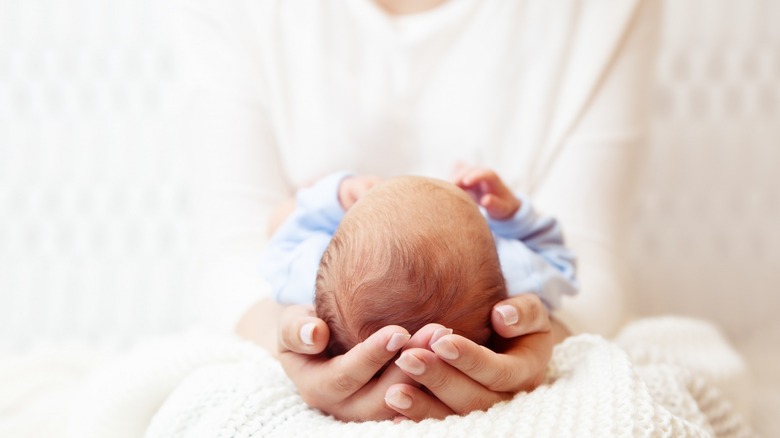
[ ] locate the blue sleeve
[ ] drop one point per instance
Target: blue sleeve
(292, 256)
(533, 256)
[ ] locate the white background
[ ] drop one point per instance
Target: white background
(94, 241)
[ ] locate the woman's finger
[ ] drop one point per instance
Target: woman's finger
(426, 335)
(365, 185)
(415, 404)
(368, 403)
(346, 374)
(520, 315)
(497, 207)
(504, 373)
(323, 381)
(455, 389)
(302, 332)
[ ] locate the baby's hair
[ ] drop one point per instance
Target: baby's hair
(409, 260)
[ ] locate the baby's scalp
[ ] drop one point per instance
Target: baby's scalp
(413, 250)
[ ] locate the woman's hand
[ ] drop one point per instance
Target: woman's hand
(344, 386)
(462, 376)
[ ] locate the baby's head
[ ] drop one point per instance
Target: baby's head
(413, 251)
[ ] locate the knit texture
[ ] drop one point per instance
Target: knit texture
(593, 388)
(663, 377)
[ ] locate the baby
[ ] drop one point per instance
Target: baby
(414, 250)
(411, 250)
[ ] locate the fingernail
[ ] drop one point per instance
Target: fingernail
(438, 333)
(508, 314)
(397, 340)
(411, 364)
(446, 349)
(307, 333)
(398, 399)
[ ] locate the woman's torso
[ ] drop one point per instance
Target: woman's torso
(349, 87)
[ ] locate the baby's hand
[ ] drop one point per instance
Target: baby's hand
(353, 188)
(487, 189)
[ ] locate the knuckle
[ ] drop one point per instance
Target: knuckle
(314, 399)
(430, 411)
(535, 380)
(533, 300)
(479, 403)
(309, 399)
(343, 382)
(339, 416)
(438, 379)
(532, 312)
(475, 363)
(504, 379)
(288, 338)
(364, 412)
(377, 413)
(374, 361)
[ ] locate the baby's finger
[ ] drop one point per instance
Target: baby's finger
(302, 332)
(480, 175)
(461, 170)
(415, 404)
(520, 315)
(503, 373)
(352, 370)
(365, 185)
(347, 194)
(498, 207)
(455, 389)
(353, 195)
(492, 202)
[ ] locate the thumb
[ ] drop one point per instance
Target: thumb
(301, 332)
(520, 315)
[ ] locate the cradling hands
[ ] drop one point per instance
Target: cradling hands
(462, 376)
(459, 375)
(344, 386)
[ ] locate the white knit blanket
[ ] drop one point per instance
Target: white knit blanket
(660, 377)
